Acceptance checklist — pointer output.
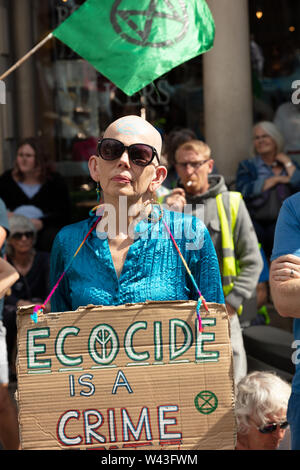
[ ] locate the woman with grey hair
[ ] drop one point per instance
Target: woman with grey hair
(260, 408)
(33, 268)
(265, 180)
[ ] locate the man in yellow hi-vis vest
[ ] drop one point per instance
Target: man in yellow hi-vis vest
(230, 227)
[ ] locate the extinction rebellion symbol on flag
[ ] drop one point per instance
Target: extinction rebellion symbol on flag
(133, 43)
(144, 27)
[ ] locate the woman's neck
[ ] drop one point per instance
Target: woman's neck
(31, 179)
(123, 212)
(27, 178)
(269, 157)
(22, 259)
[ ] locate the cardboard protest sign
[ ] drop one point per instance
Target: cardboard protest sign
(138, 376)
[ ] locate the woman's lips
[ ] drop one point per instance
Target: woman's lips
(121, 179)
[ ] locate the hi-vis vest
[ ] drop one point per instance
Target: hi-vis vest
(230, 264)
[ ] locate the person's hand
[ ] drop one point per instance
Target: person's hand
(37, 223)
(283, 158)
(285, 268)
(273, 180)
(283, 179)
(230, 310)
(176, 200)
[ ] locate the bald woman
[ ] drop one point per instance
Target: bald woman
(130, 257)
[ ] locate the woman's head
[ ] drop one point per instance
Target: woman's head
(267, 138)
(22, 235)
(30, 160)
(261, 399)
(116, 167)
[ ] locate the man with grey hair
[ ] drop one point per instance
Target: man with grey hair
(260, 408)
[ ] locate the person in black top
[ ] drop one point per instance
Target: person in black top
(32, 287)
(34, 190)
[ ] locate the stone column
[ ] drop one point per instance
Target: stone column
(24, 75)
(227, 87)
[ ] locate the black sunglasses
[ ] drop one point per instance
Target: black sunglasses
(139, 154)
(268, 428)
(19, 235)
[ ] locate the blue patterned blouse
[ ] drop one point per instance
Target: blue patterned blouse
(152, 270)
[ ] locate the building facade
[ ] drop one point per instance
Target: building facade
(59, 96)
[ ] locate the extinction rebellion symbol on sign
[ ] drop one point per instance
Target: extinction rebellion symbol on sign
(139, 26)
(206, 402)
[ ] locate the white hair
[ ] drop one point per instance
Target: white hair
(258, 395)
(273, 132)
(19, 223)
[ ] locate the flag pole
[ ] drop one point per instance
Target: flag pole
(26, 56)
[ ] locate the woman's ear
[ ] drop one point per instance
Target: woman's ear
(159, 177)
(93, 167)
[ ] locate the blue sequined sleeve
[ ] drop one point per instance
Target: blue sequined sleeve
(60, 300)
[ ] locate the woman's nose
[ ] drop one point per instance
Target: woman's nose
(124, 158)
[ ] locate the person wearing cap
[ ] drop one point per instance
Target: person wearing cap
(33, 284)
(226, 217)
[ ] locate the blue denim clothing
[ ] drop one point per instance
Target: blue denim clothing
(264, 206)
(287, 234)
(293, 417)
(287, 241)
(252, 173)
(152, 270)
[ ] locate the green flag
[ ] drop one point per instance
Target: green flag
(133, 42)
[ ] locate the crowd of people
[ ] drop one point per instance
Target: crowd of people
(233, 236)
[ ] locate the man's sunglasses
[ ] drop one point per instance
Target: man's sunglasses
(268, 428)
(139, 154)
(19, 235)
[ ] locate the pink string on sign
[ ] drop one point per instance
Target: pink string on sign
(39, 309)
